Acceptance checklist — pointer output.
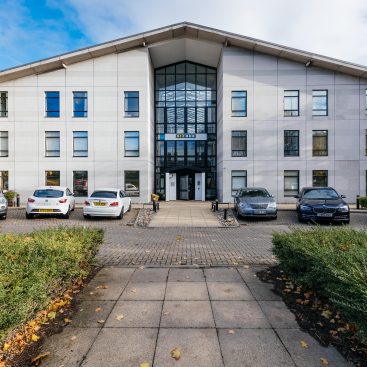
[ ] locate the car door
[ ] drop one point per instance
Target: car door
(126, 200)
(71, 198)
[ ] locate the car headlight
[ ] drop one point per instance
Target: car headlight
(272, 205)
(344, 208)
(305, 208)
(2, 201)
(243, 205)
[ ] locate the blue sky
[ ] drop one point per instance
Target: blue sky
(31, 30)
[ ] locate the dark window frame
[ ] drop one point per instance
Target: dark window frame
(290, 193)
(320, 152)
(52, 138)
(51, 177)
(292, 112)
(241, 112)
(49, 97)
(4, 153)
(85, 98)
(128, 112)
(287, 151)
(239, 152)
(326, 110)
(316, 176)
(76, 190)
(4, 103)
(86, 151)
(126, 138)
(245, 176)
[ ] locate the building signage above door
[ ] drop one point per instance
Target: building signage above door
(185, 136)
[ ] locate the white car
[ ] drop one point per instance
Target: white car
(52, 200)
(107, 203)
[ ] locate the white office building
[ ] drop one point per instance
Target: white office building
(187, 112)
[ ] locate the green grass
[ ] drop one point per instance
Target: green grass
(332, 262)
(37, 266)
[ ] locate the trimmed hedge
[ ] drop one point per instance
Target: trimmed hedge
(332, 262)
(37, 266)
(363, 201)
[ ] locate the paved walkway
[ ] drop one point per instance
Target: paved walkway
(213, 317)
(184, 214)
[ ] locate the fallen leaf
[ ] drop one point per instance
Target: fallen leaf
(144, 364)
(73, 338)
(68, 321)
(101, 321)
(35, 337)
(119, 317)
(91, 293)
(303, 344)
(141, 268)
(133, 290)
(40, 357)
(176, 354)
(231, 331)
(6, 346)
(102, 287)
(326, 314)
(51, 315)
(324, 361)
(98, 309)
(2, 364)
(166, 313)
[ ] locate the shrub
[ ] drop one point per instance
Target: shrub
(35, 267)
(10, 195)
(332, 262)
(363, 201)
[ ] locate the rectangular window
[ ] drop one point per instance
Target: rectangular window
(365, 143)
(291, 183)
(319, 143)
(131, 104)
(4, 180)
(3, 104)
(291, 103)
(52, 178)
(239, 143)
(291, 143)
(80, 183)
(239, 103)
(239, 181)
(319, 103)
(366, 101)
(320, 178)
(4, 144)
(52, 143)
(80, 143)
(132, 183)
(131, 143)
(52, 104)
(80, 104)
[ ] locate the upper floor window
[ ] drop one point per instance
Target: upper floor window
(3, 104)
(52, 143)
(239, 103)
(319, 178)
(291, 103)
(319, 143)
(80, 104)
(131, 104)
(366, 101)
(319, 103)
(239, 143)
(4, 145)
(131, 143)
(80, 144)
(52, 104)
(291, 143)
(52, 178)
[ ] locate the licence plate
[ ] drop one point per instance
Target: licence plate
(326, 215)
(99, 204)
(45, 210)
(260, 211)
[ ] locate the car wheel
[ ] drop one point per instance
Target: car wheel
(300, 219)
(29, 216)
(121, 215)
(346, 221)
(275, 217)
(67, 215)
(86, 216)
(3, 217)
(238, 215)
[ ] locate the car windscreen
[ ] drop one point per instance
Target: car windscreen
(104, 194)
(255, 193)
(48, 193)
(323, 194)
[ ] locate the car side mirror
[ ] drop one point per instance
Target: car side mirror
(296, 196)
(343, 196)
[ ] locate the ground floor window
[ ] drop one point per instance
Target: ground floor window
(319, 178)
(80, 183)
(132, 183)
(291, 183)
(239, 181)
(4, 180)
(52, 178)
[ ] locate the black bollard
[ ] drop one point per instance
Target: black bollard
(357, 201)
(225, 214)
(18, 200)
(154, 207)
(216, 205)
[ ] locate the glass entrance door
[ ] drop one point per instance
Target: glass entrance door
(184, 187)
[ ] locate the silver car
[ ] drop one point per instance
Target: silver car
(255, 202)
(3, 206)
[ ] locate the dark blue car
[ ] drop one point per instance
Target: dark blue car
(322, 204)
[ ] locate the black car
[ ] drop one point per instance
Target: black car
(321, 204)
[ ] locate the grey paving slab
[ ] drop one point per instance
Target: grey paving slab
(249, 273)
(225, 291)
(239, 314)
(148, 291)
(309, 357)
(135, 314)
(109, 275)
(186, 275)
(222, 275)
(116, 347)
(92, 313)
(150, 275)
(278, 314)
(199, 348)
(186, 291)
(69, 347)
(187, 314)
(263, 291)
(253, 348)
(97, 290)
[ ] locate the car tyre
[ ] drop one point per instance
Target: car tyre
(29, 216)
(121, 215)
(346, 221)
(3, 217)
(300, 219)
(67, 215)
(86, 216)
